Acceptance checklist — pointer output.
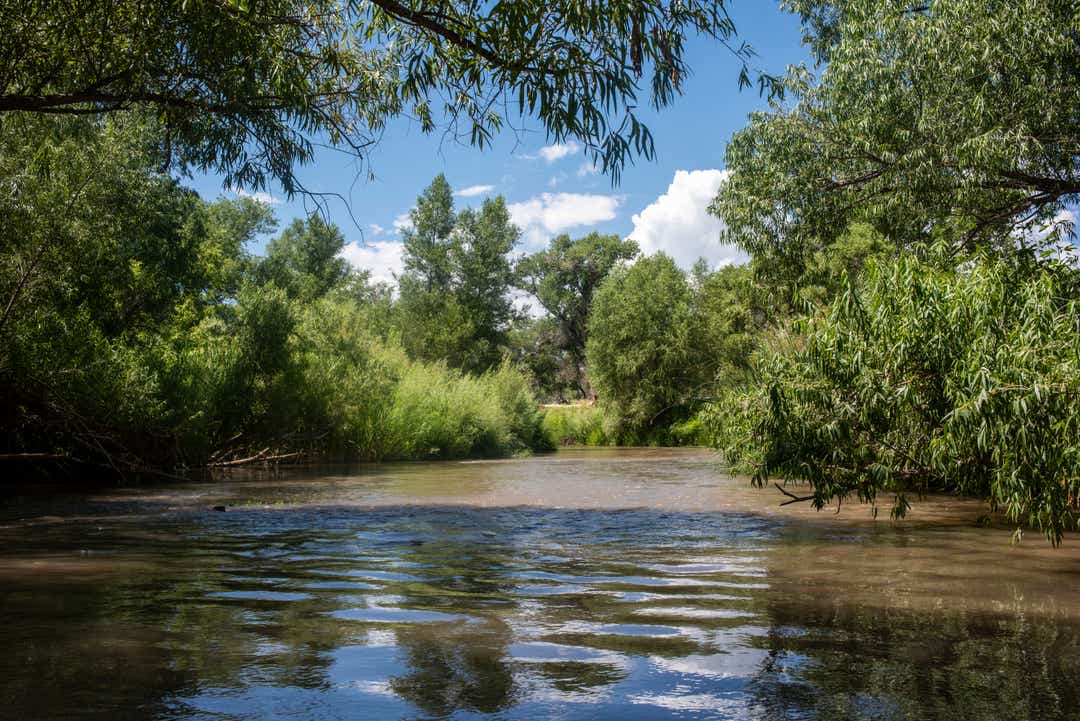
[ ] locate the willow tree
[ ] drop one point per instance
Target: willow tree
(641, 353)
(246, 88)
(952, 117)
(926, 377)
(945, 124)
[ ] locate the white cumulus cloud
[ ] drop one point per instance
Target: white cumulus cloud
(556, 151)
(551, 213)
(382, 258)
(260, 196)
(679, 224)
(402, 222)
(474, 190)
(587, 168)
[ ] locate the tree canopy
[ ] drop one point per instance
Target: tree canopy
(640, 350)
(563, 279)
(952, 117)
(454, 303)
(926, 377)
(305, 259)
(904, 200)
(247, 88)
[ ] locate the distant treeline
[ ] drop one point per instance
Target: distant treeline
(140, 333)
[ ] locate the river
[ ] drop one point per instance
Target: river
(593, 584)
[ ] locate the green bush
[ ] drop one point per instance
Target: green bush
(378, 404)
(577, 425)
(928, 375)
(595, 425)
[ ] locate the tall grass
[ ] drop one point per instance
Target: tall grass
(576, 425)
(596, 425)
(278, 378)
(436, 412)
(352, 395)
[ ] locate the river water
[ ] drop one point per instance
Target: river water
(599, 584)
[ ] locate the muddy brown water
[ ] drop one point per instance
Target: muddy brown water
(598, 584)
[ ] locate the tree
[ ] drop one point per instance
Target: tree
(426, 240)
(230, 226)
(948, 118)
(641, 347)
(305, 259)
(108, 267)
(454, 303)
(246, 88)
(482, 271)
(731, 312)
(564, 278)
(536, 345)
(926, 377)
(90, 225)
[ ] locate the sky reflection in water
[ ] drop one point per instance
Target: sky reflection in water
(629, 585)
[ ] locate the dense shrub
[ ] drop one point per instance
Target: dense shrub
(594, 425)
(927, 375)
(580, 425)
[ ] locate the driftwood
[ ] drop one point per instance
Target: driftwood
(35, 457)
(260, 457)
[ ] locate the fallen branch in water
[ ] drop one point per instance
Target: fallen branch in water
(34, 457)
(259, 457)
(792, 496)
(224, 450)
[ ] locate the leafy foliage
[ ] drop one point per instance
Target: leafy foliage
(564, 278)
(454, 302)
(305, 259)
(886, 367)
(951, 117)
(927, 376)
(139, 334)
(246, 88)
(641, 350)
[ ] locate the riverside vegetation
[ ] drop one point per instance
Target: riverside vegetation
(908, 321)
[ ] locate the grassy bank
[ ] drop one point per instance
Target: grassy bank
(593, 425)
(271, 380)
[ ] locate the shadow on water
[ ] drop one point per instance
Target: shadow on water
(379, 608)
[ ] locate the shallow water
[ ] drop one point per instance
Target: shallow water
(633, 584)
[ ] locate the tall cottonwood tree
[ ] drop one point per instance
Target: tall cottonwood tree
(454, 300)
(563, 278)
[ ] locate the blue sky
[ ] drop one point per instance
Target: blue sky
(551, 189)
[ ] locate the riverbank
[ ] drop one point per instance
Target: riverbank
(591, 424)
